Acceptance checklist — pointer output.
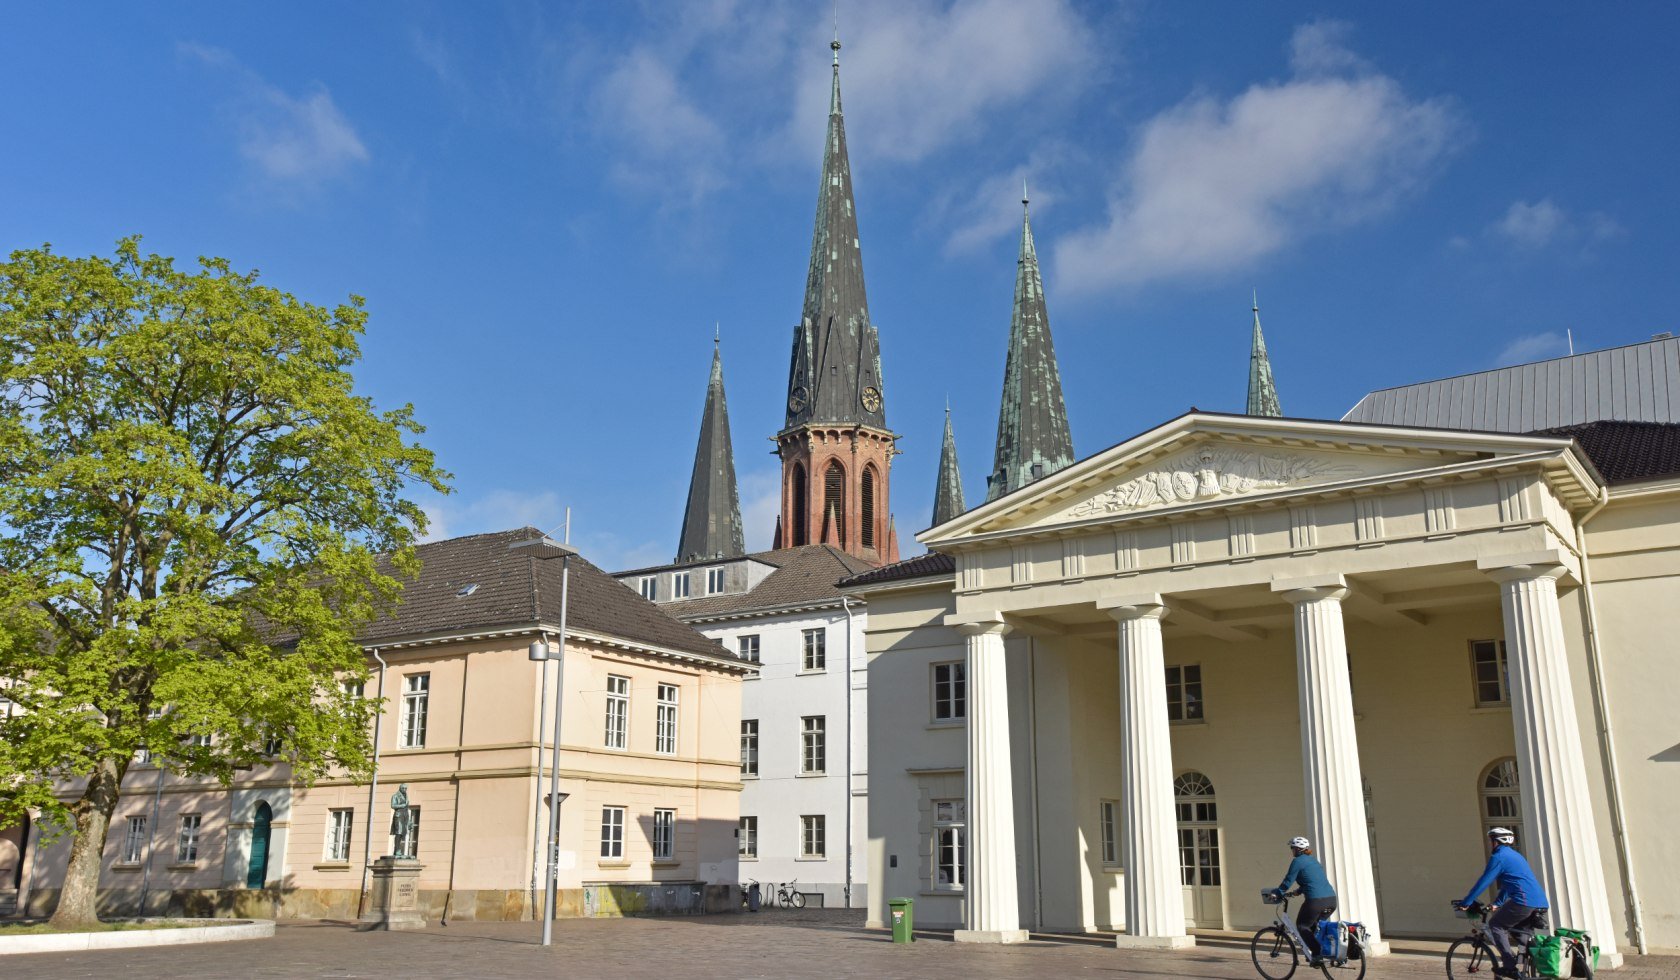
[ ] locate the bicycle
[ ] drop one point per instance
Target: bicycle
(1274, 943)
(787, 898)
(1474, 955)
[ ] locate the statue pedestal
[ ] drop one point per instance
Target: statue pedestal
(394, 898)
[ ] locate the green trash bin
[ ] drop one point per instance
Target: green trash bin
(902, 912)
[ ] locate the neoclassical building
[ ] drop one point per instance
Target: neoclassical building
(1113, 694)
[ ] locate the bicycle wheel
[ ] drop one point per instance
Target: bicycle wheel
(1350, 970)
(1274, 955)
(796, 899)
(1470, 958)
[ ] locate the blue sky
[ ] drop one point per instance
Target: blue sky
(548, 207)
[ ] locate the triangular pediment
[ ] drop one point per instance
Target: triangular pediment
(1202, 460)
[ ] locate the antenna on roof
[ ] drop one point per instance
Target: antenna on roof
(1570, 333)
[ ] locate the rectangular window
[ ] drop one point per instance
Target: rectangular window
(340, 825)
(1109, 816)
(648, 586)
(618, 710)
(749, 747)
(142, 756)
(199, 741)
(664, 834)
(134, 841)
(665, 736)
(1184, 693)
(746, 835)
(353, 689)
(814, 755)
(812, 831)
(1487, 663)
(816, 655)
(407, 843)
(714, 581)
(950, 691)
(612, 832)
(680, 585)
(950, 843)
(748, 646)
(272, 747)
(416, 692)
(186, 842)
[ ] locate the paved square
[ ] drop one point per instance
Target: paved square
(773, 943)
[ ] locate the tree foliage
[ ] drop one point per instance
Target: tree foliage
(194, 502)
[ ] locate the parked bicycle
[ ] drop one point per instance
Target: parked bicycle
(788, 898)
(1278, 949)
(1474, 955)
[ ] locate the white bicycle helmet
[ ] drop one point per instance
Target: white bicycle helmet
(1503, 835)
(1300, 842)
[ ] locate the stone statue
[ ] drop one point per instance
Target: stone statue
(399, 813)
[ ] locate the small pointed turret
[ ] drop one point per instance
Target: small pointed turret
(712, 522)
(948, 495)
(1033, 439)
(1262, 391)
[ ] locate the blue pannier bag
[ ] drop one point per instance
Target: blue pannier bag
(1330, 939)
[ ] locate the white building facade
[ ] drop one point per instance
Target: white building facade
(804, 715)
(1183, 651)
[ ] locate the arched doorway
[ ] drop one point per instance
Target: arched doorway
(1198, 851)
(262, 820)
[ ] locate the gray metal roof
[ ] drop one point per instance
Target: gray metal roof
(712, 522)
(1637, 383)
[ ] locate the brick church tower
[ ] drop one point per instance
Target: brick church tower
(835, 446)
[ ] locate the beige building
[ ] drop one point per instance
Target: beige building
(1111, 696)
(649, 777)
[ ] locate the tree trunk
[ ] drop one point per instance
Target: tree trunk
(78, 899)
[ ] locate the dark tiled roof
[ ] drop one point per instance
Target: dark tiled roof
(922, 566)
(803, 575)
(515, 589)
(1626, 452)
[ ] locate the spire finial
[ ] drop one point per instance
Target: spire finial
(836, 43)
(717, 333)
(1257, 301)
(1024, 195)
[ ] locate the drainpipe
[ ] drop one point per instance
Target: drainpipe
(373, 785)
(151, 839)
(1606, 742)
(845, 604)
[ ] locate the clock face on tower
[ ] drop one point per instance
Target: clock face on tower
(871, 400)
(796, 399)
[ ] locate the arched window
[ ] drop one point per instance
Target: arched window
(867, 498)
(834, 500)
(1501, 791)
(1198, 829)
(801, 507)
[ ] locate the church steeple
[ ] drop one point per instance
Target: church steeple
(712, 522)
(1262, 391)
(835, 375)
(834, 444)
(948, 495)
(1032, 438)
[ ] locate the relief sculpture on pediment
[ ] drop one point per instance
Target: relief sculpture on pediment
(1211, 472)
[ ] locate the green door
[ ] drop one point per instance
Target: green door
(258, 871)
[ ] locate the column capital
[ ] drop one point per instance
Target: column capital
(1311, 588)
(1532, 566)
(1122, 609)
(979, 624)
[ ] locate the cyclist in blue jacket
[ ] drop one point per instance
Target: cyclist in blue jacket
(1522, 902)
(1318, 898)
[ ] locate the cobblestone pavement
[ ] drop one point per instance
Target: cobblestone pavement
(774, 943)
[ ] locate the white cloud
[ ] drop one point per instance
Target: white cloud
(497, 510)
(992, 210)
(1213, 184)
(1533, 347)
(674, 145)
(761, 504)
(1537, 224)
(295, 140)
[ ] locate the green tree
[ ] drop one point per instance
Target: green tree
(197, 515)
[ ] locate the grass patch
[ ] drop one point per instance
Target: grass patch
(43, 929)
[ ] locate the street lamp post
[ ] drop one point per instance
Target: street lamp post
(545, 548)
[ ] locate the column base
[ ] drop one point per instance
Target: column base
(992, 936)
(1128, 941)
(1610, 961)
(1378, 948)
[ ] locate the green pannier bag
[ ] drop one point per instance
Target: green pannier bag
(1583, 941)
(1547, 953)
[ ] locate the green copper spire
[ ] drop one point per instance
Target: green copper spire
(948, 495)
(712, 522)
(1262, 391)
(1033, 439)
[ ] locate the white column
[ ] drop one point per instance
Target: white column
(1153, 888)
(991, 903)
(1335, 791)
(1560, 836)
